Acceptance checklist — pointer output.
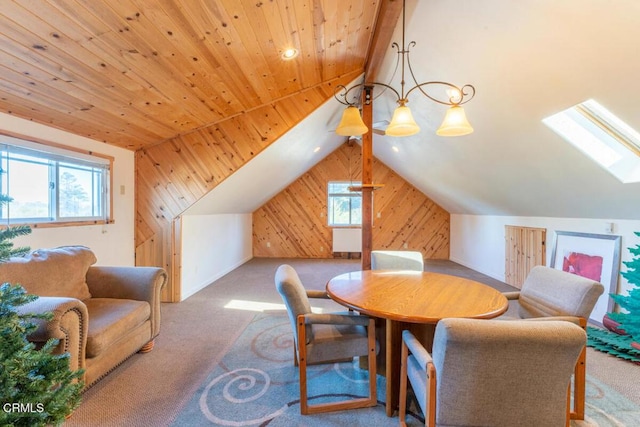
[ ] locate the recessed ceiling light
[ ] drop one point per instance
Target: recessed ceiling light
(289, 53)
(315, 150)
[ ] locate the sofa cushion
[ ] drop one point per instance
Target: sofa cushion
(110, 319)
(56, 272)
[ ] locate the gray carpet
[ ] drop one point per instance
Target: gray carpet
(152, 389)
(256, 384)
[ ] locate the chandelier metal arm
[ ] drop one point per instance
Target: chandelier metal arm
(341, 94)
(402, 123)
(465, 93)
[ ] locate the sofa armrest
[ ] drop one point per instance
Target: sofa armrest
(136, 283)
(69, 325)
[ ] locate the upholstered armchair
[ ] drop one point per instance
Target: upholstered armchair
(326, 338)
(492, 373)
(397, 260)
(101, 315)
(547, 292)
(550, 294)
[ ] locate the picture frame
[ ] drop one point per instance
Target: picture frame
(596, 256)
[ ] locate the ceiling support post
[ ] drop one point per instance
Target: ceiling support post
(367, 178)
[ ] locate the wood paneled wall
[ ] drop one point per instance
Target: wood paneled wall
(171, 176)
(294, 223)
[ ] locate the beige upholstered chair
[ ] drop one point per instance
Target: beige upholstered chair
(326, 338)
(397, 260)
(492, 373)
(547, 292)
(550, 294)
(101, 315)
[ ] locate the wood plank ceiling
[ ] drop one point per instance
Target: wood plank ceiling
(196, 87)
(134, 73)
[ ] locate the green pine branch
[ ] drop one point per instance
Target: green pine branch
(33, 378)
(629, 316)
(7, 249)
(612, 343)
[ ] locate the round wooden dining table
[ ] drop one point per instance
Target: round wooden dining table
(415, 301)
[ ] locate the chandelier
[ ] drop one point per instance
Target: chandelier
(455, 121)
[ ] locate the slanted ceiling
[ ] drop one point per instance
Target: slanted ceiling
(527, 60)
(141, 74)
(135, 73)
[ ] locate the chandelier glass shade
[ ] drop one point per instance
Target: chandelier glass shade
(351, 123)
(455, 122)
(402, 123)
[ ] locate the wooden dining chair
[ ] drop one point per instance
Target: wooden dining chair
(397, 260)
(492, 373)
(326, 338)
(551, 294)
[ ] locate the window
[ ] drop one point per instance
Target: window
(345, 206)
(602, 136)
(52, 184)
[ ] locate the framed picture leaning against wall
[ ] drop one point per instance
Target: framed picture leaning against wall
(596, 256)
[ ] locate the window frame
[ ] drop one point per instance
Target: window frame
(62, 155)
(350, 194)
(601, 136)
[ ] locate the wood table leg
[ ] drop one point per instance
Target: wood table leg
(392, 365)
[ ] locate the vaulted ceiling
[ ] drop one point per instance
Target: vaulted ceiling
(138, 73)
(134, 73)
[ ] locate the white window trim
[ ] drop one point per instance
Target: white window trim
(82, 156)
(350, 194)
(602, 137)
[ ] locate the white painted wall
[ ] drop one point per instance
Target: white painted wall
(212, 246)
(113, 244)
(478, 242)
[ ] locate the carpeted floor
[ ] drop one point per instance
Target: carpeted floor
(256, 384)
(156, 389)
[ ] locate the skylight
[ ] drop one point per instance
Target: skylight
(602, 136)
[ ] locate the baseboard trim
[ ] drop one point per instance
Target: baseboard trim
(479, 269)
(215, 277)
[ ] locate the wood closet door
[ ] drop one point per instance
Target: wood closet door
(525, 248)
